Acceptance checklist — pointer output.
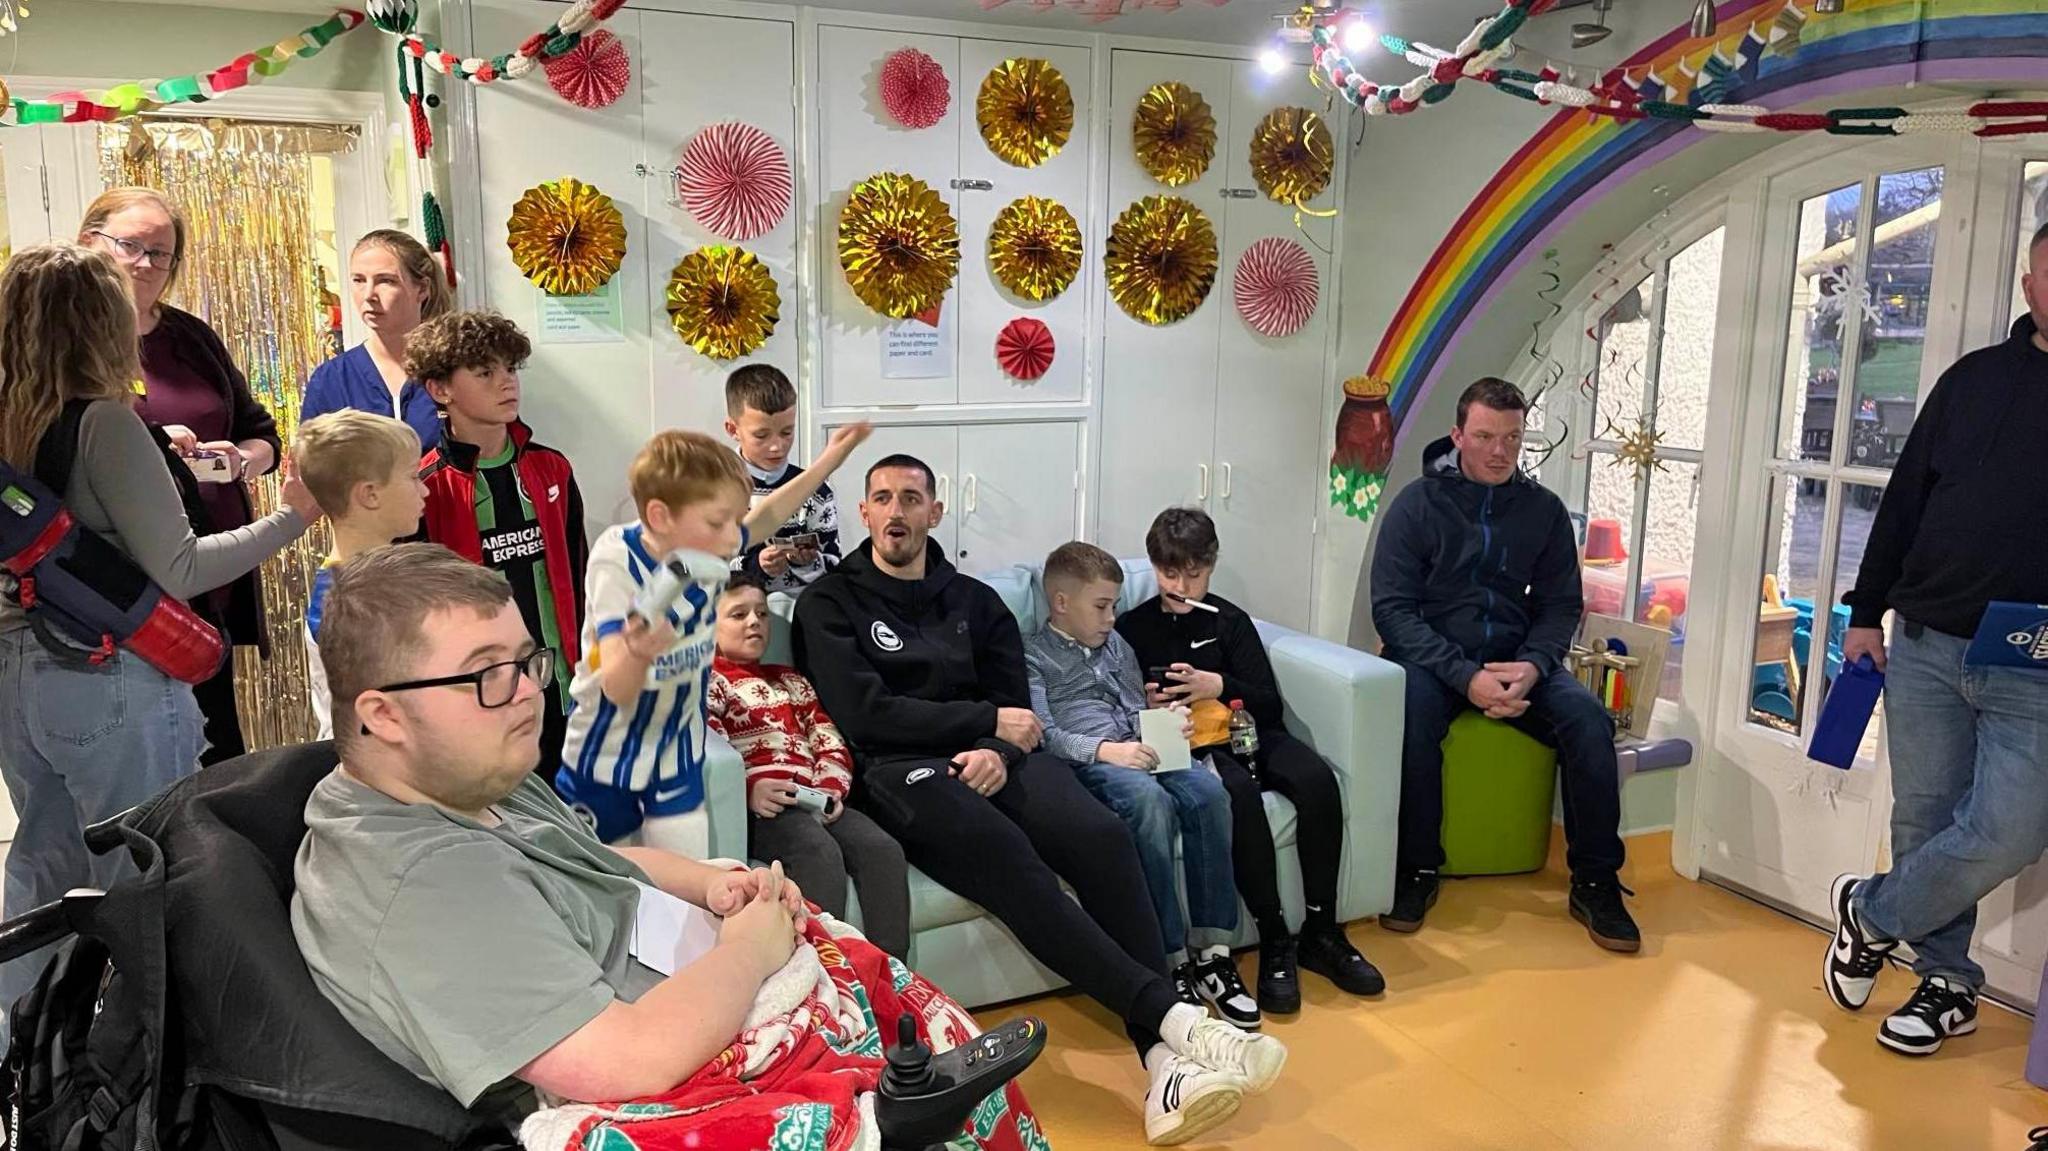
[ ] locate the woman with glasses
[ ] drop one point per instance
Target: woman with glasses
(395, 285)
(86, 734)
(191, 388)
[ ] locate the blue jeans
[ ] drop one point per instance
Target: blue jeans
(1969, 752)
(1154, 807)
(80, 745)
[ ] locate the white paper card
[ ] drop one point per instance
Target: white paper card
(1159, 729)
(915, 350)
(591, 319)
(670, 934)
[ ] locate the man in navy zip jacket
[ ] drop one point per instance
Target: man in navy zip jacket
(1475, 592)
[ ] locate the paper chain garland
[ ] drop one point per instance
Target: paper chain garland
(140, 96)
(558, 39)
(1619, 95)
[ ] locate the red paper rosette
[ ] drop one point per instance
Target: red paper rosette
(1276, 286)
(1024, 348)
(594, 73)
(915, 89)
(734, 178)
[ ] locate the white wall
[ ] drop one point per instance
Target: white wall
(110, 41)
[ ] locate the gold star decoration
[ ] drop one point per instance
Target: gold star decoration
(1639, 447)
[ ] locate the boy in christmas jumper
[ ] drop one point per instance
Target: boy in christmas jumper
(770, 714)
(760, 417)
(634, 758)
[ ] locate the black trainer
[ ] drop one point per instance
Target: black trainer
(1414, 894)
(1184, 987)
(1597, 904)
(1279, 982)
(1939, 1009)
(1849, 971)
(1217, 982)
(1325, 951)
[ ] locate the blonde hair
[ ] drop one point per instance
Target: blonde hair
(419, 266)
(114, 201)
(680, 468)
(339, 450)
(67, 332)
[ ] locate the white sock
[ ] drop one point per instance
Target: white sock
(1220, 951)
(1174, 961)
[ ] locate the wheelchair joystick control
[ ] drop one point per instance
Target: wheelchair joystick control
(925, 1097)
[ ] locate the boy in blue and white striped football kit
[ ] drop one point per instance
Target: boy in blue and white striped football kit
(634, 755)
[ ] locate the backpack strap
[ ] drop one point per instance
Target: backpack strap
(58, 451)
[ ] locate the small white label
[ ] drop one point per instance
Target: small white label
(919, 348)
(591, 319)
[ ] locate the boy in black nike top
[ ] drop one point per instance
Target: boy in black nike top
(1215, 656)
(923, 670)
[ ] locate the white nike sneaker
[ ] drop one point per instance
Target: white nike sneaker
(1186, 1098)
(1256, 1058)
(1853, 961)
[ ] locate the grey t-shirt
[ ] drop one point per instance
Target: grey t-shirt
(464, 952)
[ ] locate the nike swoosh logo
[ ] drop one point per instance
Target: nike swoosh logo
(1201, 643)
(1951, 1018)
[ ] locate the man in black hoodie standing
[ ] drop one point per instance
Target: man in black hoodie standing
(1955, 533)
(1475, 592)
(922, 668)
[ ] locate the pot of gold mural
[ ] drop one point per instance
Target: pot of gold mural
(1161, 259)
(1292, 155)
(723, 301)
(898, 244)
(1364, 448)
(1173, 133)
(567, 237)
(1034, 247)
(1025, 112)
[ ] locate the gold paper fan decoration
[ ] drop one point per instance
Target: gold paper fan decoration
(898, 244)
(567, 237)
(1292, 155)
(1161, 260)
(1174, 133)
(723, 301)
(1025, 111)
(1034, 247)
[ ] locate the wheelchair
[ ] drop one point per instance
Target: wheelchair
(245, 1052)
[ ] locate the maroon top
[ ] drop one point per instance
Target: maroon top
(178, 394)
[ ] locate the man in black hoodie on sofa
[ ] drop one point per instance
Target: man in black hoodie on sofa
(922, 669)
(1475, 592)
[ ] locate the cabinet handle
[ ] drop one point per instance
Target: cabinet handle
(972, 185)
(1205, 481)
(1240, 193)
(1226, 481)
(945, 488)
(972, 489)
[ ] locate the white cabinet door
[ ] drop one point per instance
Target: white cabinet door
(1269, 401)
(1159, 383)
(985, 306)
(751, 78)
(1015, 497)
(937, 445)
(858, 140)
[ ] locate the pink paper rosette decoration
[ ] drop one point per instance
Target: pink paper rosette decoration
(1276, 286)
(915, 89)
(734, 178)
(594, 73)
(1024, 348)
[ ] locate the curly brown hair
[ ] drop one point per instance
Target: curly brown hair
(476, 340)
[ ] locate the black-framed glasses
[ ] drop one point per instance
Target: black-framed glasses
(496, 685)
(135, 253)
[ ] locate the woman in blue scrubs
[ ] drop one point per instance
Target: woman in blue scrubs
(395, 285)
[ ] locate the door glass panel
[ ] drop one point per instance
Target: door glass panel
(1624, 364)
(2033, 214)
(1859, 511)
(1685, 351)
(1825, 267)
(1905, 225)
(1610, 534)
(1791, 574)
(1665, 589)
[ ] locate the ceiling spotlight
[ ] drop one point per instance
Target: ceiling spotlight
(1357, 36)
(1704, 20)
(1272, 61)
(1587, 35)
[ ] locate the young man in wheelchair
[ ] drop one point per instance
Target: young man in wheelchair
(471, 927)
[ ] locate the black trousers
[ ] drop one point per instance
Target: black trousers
(1563, 715)
(820, 857)
(1008, 852)
(1292, 768)
(216, 698)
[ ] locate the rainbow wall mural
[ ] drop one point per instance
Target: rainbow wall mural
(1576, 158)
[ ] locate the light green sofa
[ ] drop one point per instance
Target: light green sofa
(1345, 703)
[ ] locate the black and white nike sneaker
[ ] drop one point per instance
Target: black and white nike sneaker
(1186, 986)
(1849, 971)
(1218, 983)
(1941, 1008)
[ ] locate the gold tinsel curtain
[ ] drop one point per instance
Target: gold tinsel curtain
(246, 191)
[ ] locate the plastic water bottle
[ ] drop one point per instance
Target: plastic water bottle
(1244, 733)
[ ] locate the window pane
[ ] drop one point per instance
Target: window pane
(1859, 511)
(1685, 352)
(1826, 260)
(1904, 228)
(1791, 572)
(1610, 533)
(2033, 214)
(1622, 370)
(1665, 588)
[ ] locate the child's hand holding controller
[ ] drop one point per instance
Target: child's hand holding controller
(647, 640)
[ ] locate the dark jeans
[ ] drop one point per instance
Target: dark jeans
(1292, 768)
(1008, 852)
(820, 857)
(1562, 714)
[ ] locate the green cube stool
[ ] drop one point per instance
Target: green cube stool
(1499, 785)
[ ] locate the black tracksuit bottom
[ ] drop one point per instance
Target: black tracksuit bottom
(1292, 768)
